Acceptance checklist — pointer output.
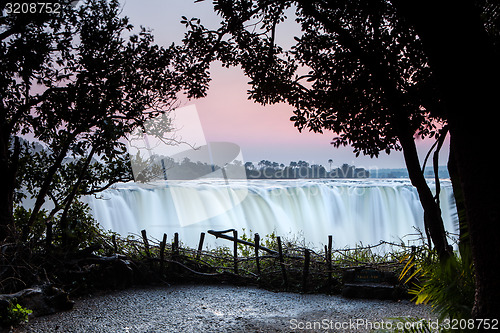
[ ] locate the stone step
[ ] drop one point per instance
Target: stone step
(369, 290)
(371, 283)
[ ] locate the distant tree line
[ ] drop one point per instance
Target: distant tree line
(403, 173)
(296, 170)
(161, 167)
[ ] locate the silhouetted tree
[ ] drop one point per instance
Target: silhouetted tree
(380, 73)
(76, 84)
(368, 77)
(462, 42)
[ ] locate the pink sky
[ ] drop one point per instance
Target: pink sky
(226, 114)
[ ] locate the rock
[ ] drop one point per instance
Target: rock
(368, 290)
(41, 300)
(370, 283)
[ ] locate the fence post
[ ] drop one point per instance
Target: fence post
(175, 254)
(235, 250)
(413, 253)
(329, 261)
(115, 245)
(200, 245)
(146, 243)
(306, 270)
(257, 245)
(282, 262)
(162, 251)
(175, 245)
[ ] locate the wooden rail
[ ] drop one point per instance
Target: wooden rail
(221, 234)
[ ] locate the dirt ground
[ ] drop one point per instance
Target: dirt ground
(196, 308)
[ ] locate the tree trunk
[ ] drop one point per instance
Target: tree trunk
(467, 68)
(464, 239)
(432, 213)
(71, 197)
(40, 200)
(8, 170)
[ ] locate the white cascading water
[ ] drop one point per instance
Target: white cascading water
(353, 211)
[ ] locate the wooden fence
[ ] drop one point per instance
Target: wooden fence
(275, 263)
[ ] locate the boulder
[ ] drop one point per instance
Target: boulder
(42, 300)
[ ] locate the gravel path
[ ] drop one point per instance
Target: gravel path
(222, 309)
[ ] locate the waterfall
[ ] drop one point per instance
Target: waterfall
(353, 211)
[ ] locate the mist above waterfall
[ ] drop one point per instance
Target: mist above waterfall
(353, 211)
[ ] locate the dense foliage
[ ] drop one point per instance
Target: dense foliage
(76, 83)
(357, 69)
(73, 85)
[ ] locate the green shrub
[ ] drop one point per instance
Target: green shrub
(14, 314)
(447, 286)
(21, 218)
(83, 229)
